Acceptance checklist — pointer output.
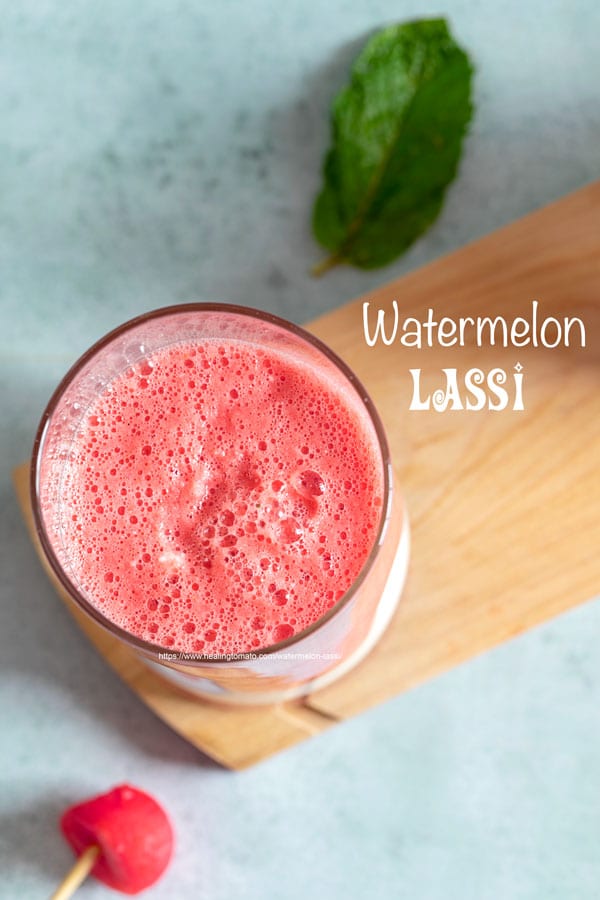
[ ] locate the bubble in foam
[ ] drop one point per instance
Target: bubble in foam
(310, 483)
(289, 531)
(282, 632)
(281, 597)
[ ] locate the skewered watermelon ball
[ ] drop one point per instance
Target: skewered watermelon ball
(132, 832)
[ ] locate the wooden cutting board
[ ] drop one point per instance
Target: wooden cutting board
(504, 505)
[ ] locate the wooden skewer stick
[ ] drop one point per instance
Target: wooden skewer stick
(77, 875)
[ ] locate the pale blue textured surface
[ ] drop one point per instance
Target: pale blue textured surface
(162, 151)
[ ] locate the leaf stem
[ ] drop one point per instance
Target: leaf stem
(330, 262)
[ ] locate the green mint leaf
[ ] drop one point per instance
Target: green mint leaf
(397, 132)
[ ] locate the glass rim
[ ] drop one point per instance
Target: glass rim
(75, 593)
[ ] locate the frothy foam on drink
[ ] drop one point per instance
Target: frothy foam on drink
(220, 497)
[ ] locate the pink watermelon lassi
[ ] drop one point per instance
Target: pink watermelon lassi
(209, 493)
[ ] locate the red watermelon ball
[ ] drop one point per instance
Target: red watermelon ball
(132, 831)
